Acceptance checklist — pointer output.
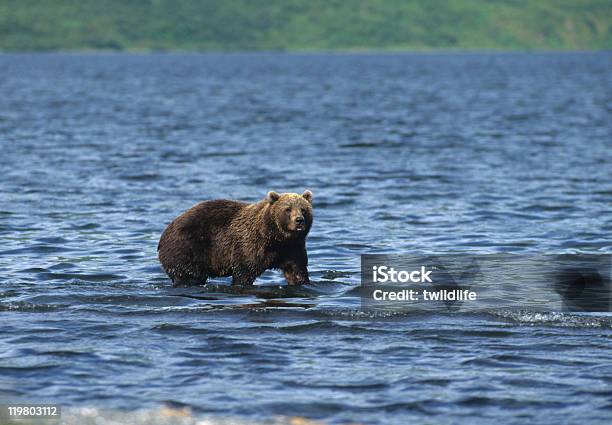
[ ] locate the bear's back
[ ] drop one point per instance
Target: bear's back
(205, 217)
(218, 213)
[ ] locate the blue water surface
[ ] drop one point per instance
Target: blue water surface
(405, 153)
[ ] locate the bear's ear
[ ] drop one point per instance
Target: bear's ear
(272, 197)
(307, 195)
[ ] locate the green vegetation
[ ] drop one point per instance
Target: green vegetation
(304, 24)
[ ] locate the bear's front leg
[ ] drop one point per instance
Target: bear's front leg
(295, 273)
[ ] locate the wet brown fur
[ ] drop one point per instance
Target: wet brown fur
(229, 238)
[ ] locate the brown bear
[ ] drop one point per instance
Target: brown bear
(230, 238)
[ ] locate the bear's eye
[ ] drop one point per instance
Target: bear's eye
(288, 209)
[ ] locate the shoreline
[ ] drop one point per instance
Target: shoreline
(330, 52)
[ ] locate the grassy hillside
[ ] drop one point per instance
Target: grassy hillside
(305, 24)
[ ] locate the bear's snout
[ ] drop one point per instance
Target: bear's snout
(299, 223)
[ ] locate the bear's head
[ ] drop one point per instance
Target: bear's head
(291, 212)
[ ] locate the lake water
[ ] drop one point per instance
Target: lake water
(405, 153)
